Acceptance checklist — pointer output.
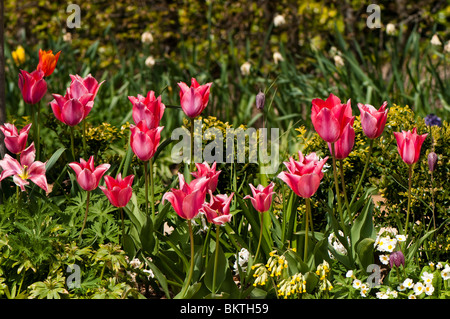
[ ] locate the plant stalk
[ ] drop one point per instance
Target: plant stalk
(146, 187)
(305, 253)
(260, 236)
(409, 198)
(336, 184)
(341, 170)
(191, 269)
(152, 188)
(363, 173)
(216, 260)
(86, 213)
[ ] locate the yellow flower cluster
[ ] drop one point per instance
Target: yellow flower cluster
(322, 271)
(261, 274)
(276, 264)
(292, 286)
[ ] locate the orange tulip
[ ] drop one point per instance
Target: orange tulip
(47, 61)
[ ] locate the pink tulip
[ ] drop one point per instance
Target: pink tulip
(144, 141)
(88, 176)
(409, 145)
(304, 175)
(373, 121)
(189, 198)
(194, 99)
(75, 105)
(217, 211)
(15, 142)
(209, 172)
(32, 85)
(26, 169)
(118, 190)
(330, 117)
(147, 108)
(262, 197)
(344, 145)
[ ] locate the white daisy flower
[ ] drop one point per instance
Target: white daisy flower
(384, 259)
(429, 289)
(427, 278)
(408, 283)
(356, 283)
(419, 288)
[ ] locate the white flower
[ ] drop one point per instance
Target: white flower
(429, 289)
(364, 291)
(245, 68)
(242, 260)
(435, 40)
(338, 61)
(408, 283)
(135, 263)
(146, 37)
(392, 293)
(149, 273)
(357, 284)
(349, 274)
(401, 287)
(401, 238)
(439, 265)
(412, 296)
(445, 273)
(67, 37)
(277, 57)
(279, 20)
(150, 61)
(382, 295)
(390, 29)
(427, 277)
(447, 47)
(418, 288)
(384, 259)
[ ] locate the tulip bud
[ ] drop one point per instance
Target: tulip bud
(260, 100)
(396, 259)
(432, 160)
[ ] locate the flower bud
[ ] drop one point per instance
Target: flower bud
(432, 160)
(396, 259)
(260, 100)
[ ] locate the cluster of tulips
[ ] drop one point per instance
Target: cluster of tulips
(332, 120)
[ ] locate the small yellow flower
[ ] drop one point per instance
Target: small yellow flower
(18, 55)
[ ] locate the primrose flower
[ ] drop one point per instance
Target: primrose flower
(418, 288)
(445, 273)
(408, 283)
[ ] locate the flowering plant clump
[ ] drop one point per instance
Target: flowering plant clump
(355, 208)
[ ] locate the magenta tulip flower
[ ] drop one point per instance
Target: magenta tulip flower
(409, 145)
(304, 175)
(189, 198)
(373, 121)
(75, 105)
(217, 211)
(147, 108)
(204, 170)
(27, 169)
(118, 190)
(89, 176)
(144, 141)
(344, 145)
(262, 197)
(15, 142)
(32, 85)
(330, 117)
(194, 99)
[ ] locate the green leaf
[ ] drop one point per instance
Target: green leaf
(364, 250)
(221, 270)
(52, 161)
(147, 236)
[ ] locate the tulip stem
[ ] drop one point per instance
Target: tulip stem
(308, 208)
(38, 129)
(363, 173)
(152, 188)
(336, 184)
(72, 143)
(260, 236)
(86, 213)
(84, 137)
(123, 225)
(191, 269)
(146, 187)
(191, 168)
(216, 259)
(341, 170)
(409, 198)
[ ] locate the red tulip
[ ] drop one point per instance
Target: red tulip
(189, 198)
(373, 121)
(209, 172)
(88, 176)
(118, 190)
(47, 61)
(409, 145)
(75, 105)
(217, 211)
(344, 145)
(15, 142)
(147, 108)
(194, 99)
(26, 169)
(330, 117)
(262, 197)
(144, 141)
(32, 85)
(304, 175)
